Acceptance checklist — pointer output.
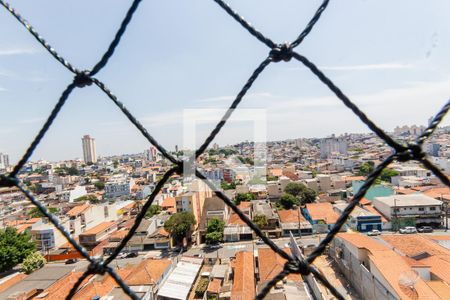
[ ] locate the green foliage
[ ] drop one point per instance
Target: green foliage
(14, 248)
(260, 221)
(36, 213)
(64, 171)
(225, 152)
(386, 174)
(245, 160)
(301, 191)
(209, 160)
(202, 286)
(287, 201)
(366, 168)
(180, 224)
(214, 231)
(244, 197)
(256, 180)
(99, 185)
(272, 178)
(33, 262)
(115, 164)
(212, 297)
(228, 186)
(91, 198)
(152, 211)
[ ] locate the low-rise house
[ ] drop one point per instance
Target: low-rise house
(117, 186)
(321, 216)
(96, 234)
(413, 209)
(244, 281)
(181, 280)
(46, 236)
(360, 219)
(214, 207)
(376, 271)
(236, 229)
(264, 208)
(72, 194)
(292, 221)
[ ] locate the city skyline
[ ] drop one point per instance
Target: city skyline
(404, 83)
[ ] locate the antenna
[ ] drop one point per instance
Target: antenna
(408, 279)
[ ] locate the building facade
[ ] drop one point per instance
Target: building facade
(89, 149)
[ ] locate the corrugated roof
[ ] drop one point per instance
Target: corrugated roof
(244, 277)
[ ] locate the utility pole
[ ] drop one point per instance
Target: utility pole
(299, 222)
(395, 213)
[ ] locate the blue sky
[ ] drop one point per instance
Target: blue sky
(390, 57)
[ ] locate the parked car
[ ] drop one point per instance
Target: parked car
(260, 242)
(408, 229)
(425, 229)
(373, 232)
(71, 261)
(121, 255)
(131, 254)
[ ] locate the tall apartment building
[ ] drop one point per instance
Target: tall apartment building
(4, 160)
(332, 145)
(89, 150)
(150, 154)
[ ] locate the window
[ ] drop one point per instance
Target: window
(433, 208)
(396, 210)
(421, 209)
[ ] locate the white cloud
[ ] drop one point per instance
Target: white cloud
(231, 98)
(366, 67)
(18, 51)
(31, 121)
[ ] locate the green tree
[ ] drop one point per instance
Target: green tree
(214, 231)
(228, 186)
(179, 225)
(366, 168)
(115, 164)
(272, 178)
(287, 201)
(301, 191)
(91, 198)
(36, 213)
(33, 262)
(14, 248)
(100, 185)
(386, 174)
(154, 209)
(72, 171)
(260, 221)
(294, 188)
(244, 197)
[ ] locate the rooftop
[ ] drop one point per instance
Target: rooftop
(322, 211)
(99, 228)
(409, 200)
(244, 277)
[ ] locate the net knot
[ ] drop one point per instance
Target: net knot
(6, 181)
(97, 266)
(413, 152)
(82, 79)
(297, 266)
(281, 52)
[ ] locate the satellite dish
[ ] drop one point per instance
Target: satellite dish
(408, 279)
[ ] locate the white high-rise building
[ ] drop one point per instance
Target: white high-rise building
(4, 160)
(89, 150)
(332, 145)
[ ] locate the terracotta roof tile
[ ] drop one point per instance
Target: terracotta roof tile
(148, 272)
(12, 281)
(271, 263)
(290, 216)
(77, 210)
(322, 211)
(214, 285)
(244, 277)
(440, 288)
(99, 228)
